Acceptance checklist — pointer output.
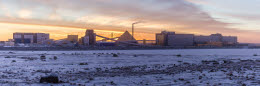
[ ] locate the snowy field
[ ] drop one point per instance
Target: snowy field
(188, 67)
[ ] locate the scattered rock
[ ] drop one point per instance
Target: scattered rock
(179, 55)
(11, 52)
(230, 74)
(215, 63)
(43, 57)
(181, 79)
(174, 80)
(200, 77)
(227, 61)
(83, 63)
(112, 83)
(43, 71)
(86, 68)
(179, 61)
(186, 63)
(13, 60)
(29, 58)
(91, 79)
(8, 57)
(115, 55)
(212, 70)
(50, 79)
(223, 70)
(55, 57)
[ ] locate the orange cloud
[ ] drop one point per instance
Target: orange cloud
(66, 17)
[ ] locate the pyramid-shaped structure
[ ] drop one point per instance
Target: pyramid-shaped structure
(126, 37)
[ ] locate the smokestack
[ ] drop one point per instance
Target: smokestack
(133, 29)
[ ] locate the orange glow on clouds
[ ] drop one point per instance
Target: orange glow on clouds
(62, 18)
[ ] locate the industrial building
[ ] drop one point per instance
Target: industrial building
(85, 40)
(92, 37)
(162, 38)
(25, 38)
(48, 42)
(105, 44)
(216, 37)
(126, 39)
(73, 38)
(181, 40)
(63, 43)
(89, 38)
(201, 39)
(29, 38)
(215, 40)
(229, 40)
(172, 39)
(42, 38)
(9, 43)
(205, 39)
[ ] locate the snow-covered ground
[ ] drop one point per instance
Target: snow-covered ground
(133, 67)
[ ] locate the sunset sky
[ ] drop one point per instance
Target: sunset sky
(63, 17)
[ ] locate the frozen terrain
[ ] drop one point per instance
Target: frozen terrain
(212, 67)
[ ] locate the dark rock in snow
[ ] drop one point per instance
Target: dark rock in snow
(50, 79)
(43, 57)
(200, 77)
(179, 55)
(55, 57)
(115, 55)
(11, 52)
(112, 83)
(13, 60)
(83, 63)
(8, 57)
(181, 79)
